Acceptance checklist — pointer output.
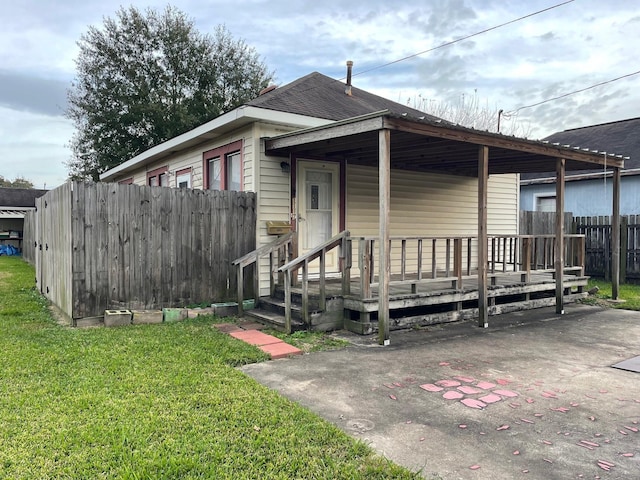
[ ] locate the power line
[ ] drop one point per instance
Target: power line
(446, 44)
(513, 112)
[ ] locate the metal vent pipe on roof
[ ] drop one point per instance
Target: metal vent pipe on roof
(347, 90)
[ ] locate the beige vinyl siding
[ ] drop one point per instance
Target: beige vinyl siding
(192, 158)
(427, 204)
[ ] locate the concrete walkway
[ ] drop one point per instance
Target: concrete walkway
(534, 396)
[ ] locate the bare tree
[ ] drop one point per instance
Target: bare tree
(470, 111)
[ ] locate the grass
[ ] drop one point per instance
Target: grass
(310, 341)
(628, 292)
(150, 401)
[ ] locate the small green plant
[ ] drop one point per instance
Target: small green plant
(311, 341)
(629, 293)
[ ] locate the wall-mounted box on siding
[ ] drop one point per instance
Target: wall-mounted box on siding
(276, 227)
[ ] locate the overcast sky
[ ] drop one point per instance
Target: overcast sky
(571, 47)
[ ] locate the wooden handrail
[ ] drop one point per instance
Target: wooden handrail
(315, 252)
(341, 240)
(254, 257)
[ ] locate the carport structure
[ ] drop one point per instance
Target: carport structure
(393, 141)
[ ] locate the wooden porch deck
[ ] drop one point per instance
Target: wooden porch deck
(433, 280)
(438, 301)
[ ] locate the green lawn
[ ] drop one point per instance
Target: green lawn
(150, 401)
(627, 292)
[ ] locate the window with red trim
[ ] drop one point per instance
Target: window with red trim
(126, 181)
(183, 178)
(158, 177)
(223, 167)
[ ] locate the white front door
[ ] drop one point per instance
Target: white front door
(318, 208)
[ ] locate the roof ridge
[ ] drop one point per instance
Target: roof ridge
(599, 125)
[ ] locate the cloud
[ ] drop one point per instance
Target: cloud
(20, 91)
(33, 146)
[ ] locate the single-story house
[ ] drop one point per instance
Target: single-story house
(588, 192)
(372, 215)
(14, 203)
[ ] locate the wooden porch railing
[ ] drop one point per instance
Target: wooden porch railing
(279, 251)
(302, 263)
(423, 260)
(416, 260)
(534, 253)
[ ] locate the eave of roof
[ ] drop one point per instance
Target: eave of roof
(582, 176)
(215, 128)
(434, 145)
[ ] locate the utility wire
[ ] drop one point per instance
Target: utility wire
(513, 112)
(446, 44)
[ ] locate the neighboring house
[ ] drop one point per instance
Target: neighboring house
(14, 203)
(588, 192)
(326, 158)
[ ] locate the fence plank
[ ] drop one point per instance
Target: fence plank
(128, 246)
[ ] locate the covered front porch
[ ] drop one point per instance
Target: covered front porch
(389, 277)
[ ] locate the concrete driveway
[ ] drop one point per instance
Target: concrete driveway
(534, 396)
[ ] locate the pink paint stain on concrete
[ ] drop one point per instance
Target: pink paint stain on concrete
(473, 403)
(502, 427)
(503, 381)
(485, 385)
(506, 393)
(468, 390)
(465, 379)
(491, 398)
(444, 364)
(474, 467)
(430, 387)
(452, 395)
(448, 383)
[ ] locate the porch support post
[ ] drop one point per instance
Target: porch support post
(483, 180)
(615, 236)
(384, 265)
(559, 239)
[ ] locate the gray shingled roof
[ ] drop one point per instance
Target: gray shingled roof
(621, 137)
(320, 96)
(19, 197)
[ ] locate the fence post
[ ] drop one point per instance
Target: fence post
(624, 247)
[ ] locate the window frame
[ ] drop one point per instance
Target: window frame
(126, 181)
(224, 153)
(185, 172)
(543, 196)
(157, 173)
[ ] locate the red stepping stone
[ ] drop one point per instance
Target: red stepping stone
(448, 383)
(430, 387)
(491, 398)
(506, 393)
(474, 467)
(627, 454)
(468, 390)
(503, 427)
(227, 327)
(254, 337)
(473, 403)
(503, 381)
(485, 385)
(465, 379)
(444, 364)
(452, 395)
(280, 350)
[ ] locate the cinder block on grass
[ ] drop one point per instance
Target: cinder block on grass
(117, 318)
(174, 314)
(146, 316)
(226, 309)
(196, 312)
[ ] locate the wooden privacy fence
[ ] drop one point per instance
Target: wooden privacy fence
(597, 232)
(110, 246)
(599, 249)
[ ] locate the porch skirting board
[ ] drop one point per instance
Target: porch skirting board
(365, 328)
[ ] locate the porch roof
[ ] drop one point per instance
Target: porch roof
(425, 145)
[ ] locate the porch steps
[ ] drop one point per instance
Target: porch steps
(270, 312)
